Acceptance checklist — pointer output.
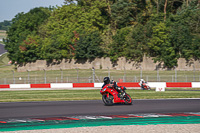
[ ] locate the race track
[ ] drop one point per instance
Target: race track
(94, 107)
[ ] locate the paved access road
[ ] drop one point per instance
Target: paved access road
(2, 49)
(94, 107)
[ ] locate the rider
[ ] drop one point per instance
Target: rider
(141, 83)
(106, 81)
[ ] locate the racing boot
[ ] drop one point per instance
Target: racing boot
(119, 96)
(122, 95)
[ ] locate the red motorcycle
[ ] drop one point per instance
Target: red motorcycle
(146, 86)
(111, 95)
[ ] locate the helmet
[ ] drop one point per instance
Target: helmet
(106, 80)
(141, 79)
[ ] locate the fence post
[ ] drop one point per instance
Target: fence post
(124, 75)
(175, 78)
(4, 80)
(45, 78)
(24, 80)
(140, 72)
(93, 75)
(108, 72)
(157, 72)
(61, 75)
(194, 73)
(28, 77)
(186, 78)
(13, 76)
(77, 75)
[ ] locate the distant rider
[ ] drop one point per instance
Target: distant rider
(106, 81)
(141, 83)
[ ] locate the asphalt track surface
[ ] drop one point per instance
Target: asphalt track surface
(94, 107)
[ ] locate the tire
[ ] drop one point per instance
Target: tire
(149, 88)
(107, 101)
(127, 99)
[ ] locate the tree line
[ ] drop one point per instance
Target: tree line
(5, 25)
(86, 29)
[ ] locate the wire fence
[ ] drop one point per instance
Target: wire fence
(92, 75)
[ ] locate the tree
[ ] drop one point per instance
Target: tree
(160, 47)
(119, 43)
(89, 46)
(5, 25)
(58, 32)
(136, 44)
(122, 13)
(125, 12)
(196, 48)
(30, 49)
(183, 34)
(22, 26)
(181, 38)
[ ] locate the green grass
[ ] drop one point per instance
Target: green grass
(3, 34)
(63, 95)
(5, 69)
(4, 59)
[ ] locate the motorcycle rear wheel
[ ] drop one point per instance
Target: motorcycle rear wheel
(108, 101)
(149, 88)
(127, 99)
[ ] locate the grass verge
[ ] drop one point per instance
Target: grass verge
(62, 95)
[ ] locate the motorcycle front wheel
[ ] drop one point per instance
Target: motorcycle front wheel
(127, 99)
(108, 101)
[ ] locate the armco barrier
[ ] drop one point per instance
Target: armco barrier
(40, 85)
(79, 85)
(127, 84)
(179, 84)
(98, 85)
(4, 86)
(61, 85)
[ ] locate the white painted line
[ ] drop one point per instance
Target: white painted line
(16, 120)
(90, 117)
(105, 117)
(195, 113)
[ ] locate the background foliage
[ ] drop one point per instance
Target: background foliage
(5, 25)
(86, 29)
